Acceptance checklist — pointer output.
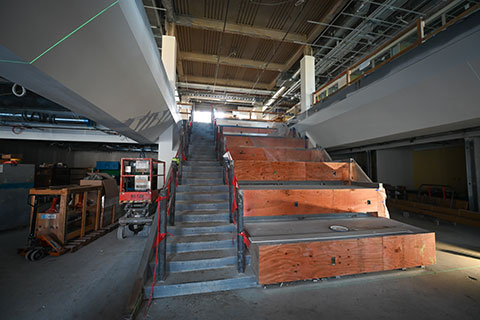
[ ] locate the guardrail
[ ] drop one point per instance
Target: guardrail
(405, 41)
(156, 244)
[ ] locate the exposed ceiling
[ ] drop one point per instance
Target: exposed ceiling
(257, 44)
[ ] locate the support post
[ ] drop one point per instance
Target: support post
(307, 82)
(173, 193)
(240, 244)
(230, 174)
(162, 249)
(472, 157)
(369, 164)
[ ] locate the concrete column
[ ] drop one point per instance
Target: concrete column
(472, 156)
(169, 59)
(307, 82)
(166, 149)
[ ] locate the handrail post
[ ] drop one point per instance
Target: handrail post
(173, 193)
(162, 249)
(240, 234)
(230, 188)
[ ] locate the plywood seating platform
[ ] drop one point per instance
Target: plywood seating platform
(268, 200)
(248, 130)
(277, 154)
(253, 170)
(272, 141)
(284, 251)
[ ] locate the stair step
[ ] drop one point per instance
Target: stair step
(200, 228)
(203, 181)
(193, 196)
(202, 216)
(195, 157)
(202, 169)
(198, 174)
(212, 163)
(200, 242)
(185, 205)
(202, 281)
(202, 260)
(202, 188)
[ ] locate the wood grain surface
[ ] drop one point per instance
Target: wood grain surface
(312, 260)
(311, 201)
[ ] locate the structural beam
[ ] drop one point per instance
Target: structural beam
(255, 32)
(226, 82)
(229, 61)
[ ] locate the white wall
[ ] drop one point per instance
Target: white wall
(395, 167)
(168, 145)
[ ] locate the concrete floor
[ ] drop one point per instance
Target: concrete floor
(448, 290)
(94, 283)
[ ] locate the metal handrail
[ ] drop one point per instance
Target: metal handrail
(164, 213)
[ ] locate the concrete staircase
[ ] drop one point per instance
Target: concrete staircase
(201, 255)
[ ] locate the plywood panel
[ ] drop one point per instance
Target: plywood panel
(409, 251)
(251, 170)
(276, 154)
(236, 141)
(310, 260)
(311, 201)
(241, 130)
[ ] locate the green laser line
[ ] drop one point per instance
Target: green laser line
(63, 39)
(71, 33)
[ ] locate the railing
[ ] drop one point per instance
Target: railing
(156, 245)
(249, 115)
(406, 40)
(235, 197)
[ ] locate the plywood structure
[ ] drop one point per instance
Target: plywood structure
(312, 260)
(277, 154)
(251, 170)
(283, 253)
(291, 196)
(242, 130)
(237, 141)
(291, 201)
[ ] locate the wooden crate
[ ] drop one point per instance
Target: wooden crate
(79, 212)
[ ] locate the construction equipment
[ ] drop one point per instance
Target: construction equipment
(140, 182)
(62, 219)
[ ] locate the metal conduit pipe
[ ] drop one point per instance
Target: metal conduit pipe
(341, 50)
(360, 9)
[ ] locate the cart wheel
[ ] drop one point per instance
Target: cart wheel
(28, 253)
(37, 254)
(121, 233)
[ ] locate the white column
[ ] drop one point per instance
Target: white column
(307, 81)
(166, 148)
(169, 59)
